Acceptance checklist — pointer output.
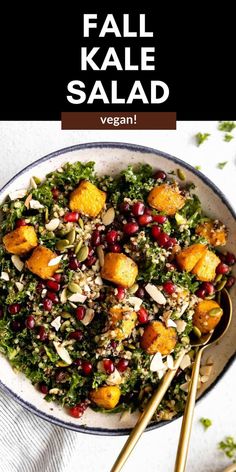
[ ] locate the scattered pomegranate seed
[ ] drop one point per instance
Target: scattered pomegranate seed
(124, 207)
(14, 308)
(57, 278)
(230, 282)
(131, 228)
(30, 322)
(115, 247)
(140, 293)
(138, 208)
(78, 410)
(42, 333)
(90, 261)
(163, 239)
(71, 216)
(52, 296)
(156, 231)
(170, 243)
(148, 211)
(159, 219)
(96, 238)
(16, 325)
(78, 362)
(108, 366)
(53, 285)
(77, 335)
(222, 268)
(169, 287)
(43, 388)
(160, 175)
(87, 367)
(1, 313)
(40, 286)
(208, 287)
(80, 312)
(55, 193)
(113, 344)
(120, 293)
(74, 264)
(20, 222)
(142, 315)
(122, 365)
(201, 293)
(47, 304)
(230, 259)
(111, 236)
(145, 219)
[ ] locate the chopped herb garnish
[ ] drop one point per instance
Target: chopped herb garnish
(228, 446)
(201, 137)
(228, 137)
(221, 165)
(226, 126)
(206, 422)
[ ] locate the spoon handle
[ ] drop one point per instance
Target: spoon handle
(147, 414)
(186, 427)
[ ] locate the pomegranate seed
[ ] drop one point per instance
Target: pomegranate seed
(156, 231)
(170, 243)
(52, 296)
(160, 175)
(124, 207)
(138, 208)
(80, 312)
(145, 219)
(42, 333)
(47, 304)
(148, 211)
(142, 315)
(120, 293)
(201, 293)
(53, 285)
(140, 293)
(86, 367)
(14, 308)
(77, 335)
(78, 410)
(40, 286)
(74, 264)
(159, 219)
(115, 248)
(1, 313)
(230, 282)
(55, 193)
(222, 256)
(111, 236)
(169, 287)
(57, 278)
(30, 322)
(43, 388)
(131, 228)
(222, 268)
(208, 287)
(96, 238)
(113, 344)
(90, 261)
(71, 216)
(108, 366)
(16, 326)
(230, 259)
(20, 222)
(101, 297)
(122, 365)
(77, 362)
(163, 239)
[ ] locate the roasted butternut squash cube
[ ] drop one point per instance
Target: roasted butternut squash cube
(188, 257)
(21, 240)
(122, 322)
(205, 269)
(207, 315)
(87, 199)
(166, 198)
(213, 231)
(106, 397)
(39, 260)
(158, 338)
(119, 269)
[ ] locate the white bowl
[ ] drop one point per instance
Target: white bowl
(111, 158)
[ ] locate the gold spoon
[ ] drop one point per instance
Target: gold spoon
(153, 403)
(186, 427)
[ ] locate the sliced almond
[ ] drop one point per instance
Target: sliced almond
(184, 387)
(19, 286)
(156, 362)
(170, 362)
(54, 391)
(35, 204)
(155, 294)
(100, 254)
(17, 194)
(63, 296)
(33, 183)
(52, 224)
(186, 362)
(180, 325)
(62, 352)
(17, 262)
(136, 302)
(56, 323)
(77, 297)
(114, 378)
(170, 323)
(89, 315)
(98, 280)
(5, 276)
(54, 261)
(27, 200)
(108, 217)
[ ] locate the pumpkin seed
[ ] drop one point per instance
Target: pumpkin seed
(218, 277)
(78, 246)
(61, 364)
(62, 244)
(197, 332)
(134, 288)
(210, 297)
(215, 312)
(221, 285)
(100, 254)
(46, 214)
(181, 174)
(65, 325)
(71, 236)
(108, 217)
(74, 288)
(81, 223)
(66, 314)
(83, 253)
(52, 224)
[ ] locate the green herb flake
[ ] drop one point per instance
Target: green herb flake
(206, 423)
(228, 446)
(221, 165)
(226, 126)
(201, 137)
(228, 137)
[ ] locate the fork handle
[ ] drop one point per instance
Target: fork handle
(186, 427)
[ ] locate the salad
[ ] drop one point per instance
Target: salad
(102, 281)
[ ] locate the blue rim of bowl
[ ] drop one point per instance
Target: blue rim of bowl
(134, 148)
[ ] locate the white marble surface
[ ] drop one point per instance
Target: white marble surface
(23, 142)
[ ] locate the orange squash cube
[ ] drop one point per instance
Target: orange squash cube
(122, 322)
(166, 198)
(188, 257)
(21, 240)
(205, 269)
(207, 315)
(39, 260)
(119, 269)
(214, 233)
(87, 199)
(158, 338)
(106, 397)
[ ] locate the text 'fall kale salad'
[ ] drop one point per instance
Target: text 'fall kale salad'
(102, 280)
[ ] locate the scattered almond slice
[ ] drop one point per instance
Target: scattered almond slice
(114, 378)
(98, 280)
(35, 204)
(186, 362)
(17, 194)
(170, 362)
(180, 325)
(56, 323)
(33, 183)
(89, 315)
(170, 323)
(27, 200)
(5, 276)
(100, 254)
(63, 296)
(184, 386)
(52, 224)
(54, 261)
(17, 262)
(54, 391)
(108, 217)
(156, 362)
(77, 297)
(62, 352)
(19, 286)
(136, 302)
(155, 294)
